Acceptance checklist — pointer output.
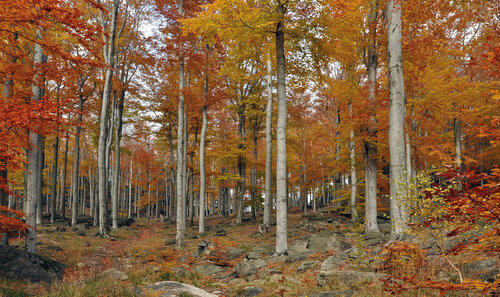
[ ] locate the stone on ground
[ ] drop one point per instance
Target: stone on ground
(16, 264)
(171, 289)
(114, 273)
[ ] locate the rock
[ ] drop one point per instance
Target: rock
(237, 281)
(180, 271)
(125, 222)
(253, 256)
(296, 257)
(170, 241)
(208, 269)
(349, 277)
(247, 268)
(264, 249)
(356, 253)
(78, 227)
(374, 238)
(54, 248)
(307, 265)
(340, 293)
(80, 265)
(233, 253)
(16, 264)
(277, 259)
(299, 245)
(114, 273)
(486, 269)
(203, 247)
(333, 262)
(252, 291)
(321, 243)
(220, 232)
(270, 272)
(171, 289)
(81, 233)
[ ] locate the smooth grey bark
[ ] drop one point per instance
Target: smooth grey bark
(185, 175)
(91, 193)
(253, 174)
(76, 163)
(281, 171)
(103, 127)
(354, 177)
(180, 216)
(130, 187)
(397, 110)
(63, 182)
(55, 169)
(201, 227)
(39, 205)
(242, 166)
(172, 188)
(370, 148)
(268, 204)
(115, 193)
(34, 152)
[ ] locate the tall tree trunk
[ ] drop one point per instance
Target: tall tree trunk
(201, 227)
(63, 182)
(130, 188)
(370, 148)
(91, 194)
(399, 215)
(39, 205)
(253, 174)
(268, 203)
(241, 183)
(76, 164)
(55, 169)
(103, 128)
(180, 218)
(281, 170)
(34, 176)
(115, 193)
(354, 177)
(172, 188)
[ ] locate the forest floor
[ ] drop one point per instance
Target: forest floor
(328, 256)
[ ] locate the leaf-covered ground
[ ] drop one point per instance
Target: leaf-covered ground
(145, 252)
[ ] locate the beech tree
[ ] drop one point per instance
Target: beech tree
(397, 111)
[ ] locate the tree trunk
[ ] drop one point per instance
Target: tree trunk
(180, 218)
(242, 166)
(34, 176)
(370, 148)
(268, 204)
(103, 128)
(253, 175)
(201, 227)
(281, 171)
(76, 164)
(397, 111)
(130, 188)
(63, 182)
(39, 205)
(115, 193)
(354, 177)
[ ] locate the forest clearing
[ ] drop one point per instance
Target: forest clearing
(249, 148)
